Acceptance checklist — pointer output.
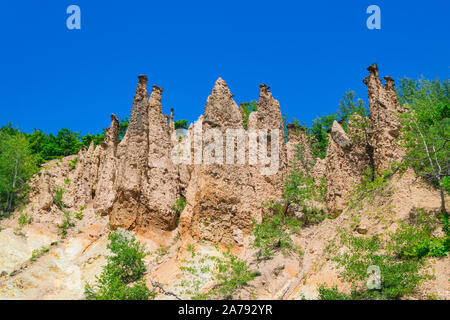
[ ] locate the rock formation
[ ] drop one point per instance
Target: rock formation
(298, 149)
(146, 181)
(346, 160)
(136, 182)
(222, 198)
(384, 108)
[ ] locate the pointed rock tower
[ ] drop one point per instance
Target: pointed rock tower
(384, 108)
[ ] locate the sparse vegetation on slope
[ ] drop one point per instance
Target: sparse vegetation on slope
(123, 276)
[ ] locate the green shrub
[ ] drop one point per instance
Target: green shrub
(179, 206)
(66, 224)
(423, 244)
(123, 276)
(24, 219)
(332, 294)
(371, 186)
(37, 253)
(274, 233)
(228, 271)
(73, 164)
(400, 272)
(231, 274)
(79, 214)
(58, 193)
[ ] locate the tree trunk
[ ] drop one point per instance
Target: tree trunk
(13, 186)
(443, 210)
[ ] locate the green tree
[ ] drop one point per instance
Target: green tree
(181, 124)
(246, 109)
(123, 276)
(17, 165)
(348, 105)
(426, 129)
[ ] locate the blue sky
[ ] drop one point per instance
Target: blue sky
(308, 52)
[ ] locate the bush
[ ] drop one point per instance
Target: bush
(66, 224)
(274, 233)
(73, 164)
(423, 244)
(123, 276)
(24, 219)
(228, 271)
(231, 273)
(38, 253)
(58, 193)
(401, 272)
(332, 294)
(179, 206)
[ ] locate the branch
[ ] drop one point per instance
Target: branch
(169, 293)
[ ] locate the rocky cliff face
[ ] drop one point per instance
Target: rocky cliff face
(346, 160)
(368, 144)
(136, 182)
(384, 108)
(223, 197)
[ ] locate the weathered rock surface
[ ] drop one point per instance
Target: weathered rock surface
(222, 198)
(298, 149)
(346, 160)
(146, 180)
(384, 108)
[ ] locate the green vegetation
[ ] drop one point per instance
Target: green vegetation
(161, 252)
(66, 224)
(332, 294)
(181, 124)
(322, 125)
(24, 219)
(73, 164)
(229, 273)
(17, 165)
(179, 206)
(58, 193)
(426, 130)
(274, 233)
(371, 186)
(79, 214)
(123, 276)
(300, 188)
(45, 147)
(37, 253)
(246, 109)
(423, 244)
(400, 257)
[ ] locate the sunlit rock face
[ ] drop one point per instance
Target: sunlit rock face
(384, 109)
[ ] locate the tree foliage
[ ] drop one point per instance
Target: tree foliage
(348, 105)
(426, 129)
(181, 124)
(17, 165)
(123, 276)
(246, 109)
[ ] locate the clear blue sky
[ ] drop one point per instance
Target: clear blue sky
(308, 52)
